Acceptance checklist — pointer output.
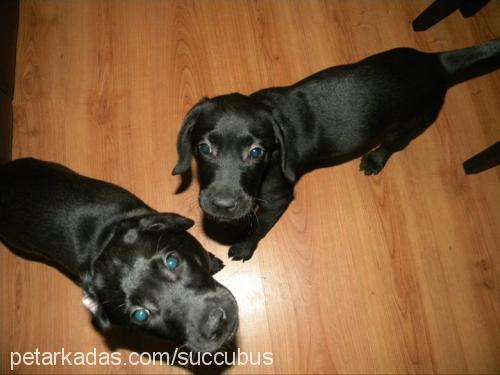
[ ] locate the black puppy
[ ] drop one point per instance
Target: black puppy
(252, 149)
(137, 267)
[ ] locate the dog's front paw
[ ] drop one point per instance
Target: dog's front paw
(242, 251)
(371, 164)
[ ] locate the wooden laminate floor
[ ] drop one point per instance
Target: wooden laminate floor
(398, 273)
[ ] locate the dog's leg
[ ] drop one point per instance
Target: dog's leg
(399, 137)
(374, 161)
(269, 212)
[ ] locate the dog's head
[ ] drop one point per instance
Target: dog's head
(155, 276)
(233, 138)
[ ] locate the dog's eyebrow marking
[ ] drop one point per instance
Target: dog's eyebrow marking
(133, 278)
(130, 237)
(99, 280)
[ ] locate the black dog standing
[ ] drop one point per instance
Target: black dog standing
(137, 267)
(251, 150)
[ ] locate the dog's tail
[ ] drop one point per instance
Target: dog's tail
(464, 64)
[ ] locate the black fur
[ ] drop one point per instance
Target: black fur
(115, 246)
(335, 115)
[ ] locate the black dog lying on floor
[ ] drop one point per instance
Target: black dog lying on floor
(251, 150)
(137, 267)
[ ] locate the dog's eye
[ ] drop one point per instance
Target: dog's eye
(256, 152)
(140, 315)
(204, 149)
(172, 262)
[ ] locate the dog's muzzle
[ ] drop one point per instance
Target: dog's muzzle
(216, 325)
(226, 207)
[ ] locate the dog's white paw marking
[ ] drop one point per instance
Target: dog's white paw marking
(130, 237)
(90, 303)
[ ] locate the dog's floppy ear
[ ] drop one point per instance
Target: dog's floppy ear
(287, 142)
(91, 303)
(165, 221)
(184, 150)
(215, 264)
(130, 227)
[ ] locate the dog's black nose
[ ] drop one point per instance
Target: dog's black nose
(215, 320)
(224, 203)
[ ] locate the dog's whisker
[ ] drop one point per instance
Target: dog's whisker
(158, 243)
(253, 223)
(260, 199)
(256, 220)
(119, 307)
(110, 301)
